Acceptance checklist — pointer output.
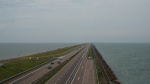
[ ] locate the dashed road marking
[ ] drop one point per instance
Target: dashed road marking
(78, 78)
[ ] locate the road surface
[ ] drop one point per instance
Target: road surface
(79, 70)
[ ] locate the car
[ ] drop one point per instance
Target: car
(49, 67)
(59, 62)
(52, 62)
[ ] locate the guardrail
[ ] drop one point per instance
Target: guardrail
(32, 68)
(23, 72)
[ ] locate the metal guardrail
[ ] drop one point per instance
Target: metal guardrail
(32, 68)
(23, 72)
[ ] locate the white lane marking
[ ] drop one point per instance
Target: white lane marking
(91, 65)
(27, 74)
(82, 67)
(84, 72)
(78, 78)
(93, 76)
(78, 69)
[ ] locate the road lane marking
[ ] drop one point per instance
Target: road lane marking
(78, 78)
(27, 74)
(84, 72)
(78, 68)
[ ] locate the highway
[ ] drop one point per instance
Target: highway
(85, 73)
(33, 75)
(79, 70)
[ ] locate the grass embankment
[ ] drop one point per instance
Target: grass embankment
(17, 65)
(97, 64)
(90, 53)
(104, 72)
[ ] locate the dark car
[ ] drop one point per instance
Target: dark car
(52, 62)
(59, 62)
(49, 67)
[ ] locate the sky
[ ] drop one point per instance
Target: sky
(62, 21)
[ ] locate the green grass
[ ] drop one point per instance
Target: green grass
(10, 69)
(21, 64)
(97, 63)
(90, 53)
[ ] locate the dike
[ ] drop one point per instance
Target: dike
(104, 72)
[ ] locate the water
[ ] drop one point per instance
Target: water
(12, 50)
(130, 62)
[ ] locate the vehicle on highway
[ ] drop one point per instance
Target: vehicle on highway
(49, 67)
(52, 62)
(59, 62)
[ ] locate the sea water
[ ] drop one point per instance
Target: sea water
(13, 50)
(129, 61)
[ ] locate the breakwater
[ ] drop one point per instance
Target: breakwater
(104, 72)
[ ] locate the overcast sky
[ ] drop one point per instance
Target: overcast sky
(50, 21)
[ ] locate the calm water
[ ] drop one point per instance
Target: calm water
(130, 62)
(11, 50)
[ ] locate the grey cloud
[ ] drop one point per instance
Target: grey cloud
(75, 20)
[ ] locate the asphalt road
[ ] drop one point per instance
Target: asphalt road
(85, 73)
(79, 70)
(33, 75)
